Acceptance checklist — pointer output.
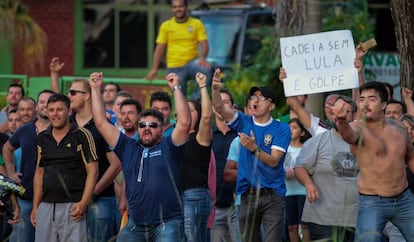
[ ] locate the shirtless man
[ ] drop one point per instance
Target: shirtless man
(383, 150)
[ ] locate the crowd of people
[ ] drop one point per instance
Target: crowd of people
(97, 166)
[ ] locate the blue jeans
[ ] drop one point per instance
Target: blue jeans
(375, 211)
(197, 207)
(101, 219)
(188, 72)
(23, 230)
(171, 231)
(257, 209)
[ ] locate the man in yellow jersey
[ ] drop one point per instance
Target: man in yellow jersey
(182, 35)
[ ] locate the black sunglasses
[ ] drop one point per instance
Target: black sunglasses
(73, 92)
(149, 124)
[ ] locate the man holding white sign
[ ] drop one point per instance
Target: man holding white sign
(321, 62)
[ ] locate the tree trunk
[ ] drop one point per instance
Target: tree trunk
(402, 14)
(314, 25)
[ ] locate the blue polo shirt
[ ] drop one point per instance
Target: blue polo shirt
(252, 172)
(152, 179)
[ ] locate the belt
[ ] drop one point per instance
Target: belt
(261, 191)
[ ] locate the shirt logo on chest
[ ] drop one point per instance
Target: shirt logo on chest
(190, 29)
(268, 139)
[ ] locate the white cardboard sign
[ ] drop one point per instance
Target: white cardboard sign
(317, 63)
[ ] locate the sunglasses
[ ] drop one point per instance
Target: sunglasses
(73, 92)
(149, 124)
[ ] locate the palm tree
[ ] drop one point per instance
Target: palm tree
(19, 29)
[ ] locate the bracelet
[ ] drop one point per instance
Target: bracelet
(202, 86)
(175, 88)
(257, 151)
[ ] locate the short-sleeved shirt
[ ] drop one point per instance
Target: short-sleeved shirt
(293, 187)
(152, 176)
(64, 164)
(334, 170)
(101, 149)
(251, 171)
(25, 138)
(182, 40)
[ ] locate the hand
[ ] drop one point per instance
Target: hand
(55, 65)
(33, 216)
(312, 193)
(248, 142)
(16, 177)
(151, 75)
(201, 79)
(290, 173)
(406, 93)
(173, 80)
(96, 79)
(77, 211)
(216, 83)
(16, 216)
(282, 74)
(360, 52)
(203, 63)
(338, 110)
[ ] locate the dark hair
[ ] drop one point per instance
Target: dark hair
(59, 97)
(14, 110)
(379, 87)
(117, 86)
(304, 137)
(134, 102)
(152, 112)
(160, 96)
(349, 101)
(123, 94)
(17, 85)
(184, 1)
(44, 91)
(403, 107)
(390, 88)
(223, 90)
(28, 99)
(197, 106)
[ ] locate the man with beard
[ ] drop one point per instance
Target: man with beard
(151, 167)
(25, 138)
(383, 150)
(65, 177)
(182, 35)
(130, 110)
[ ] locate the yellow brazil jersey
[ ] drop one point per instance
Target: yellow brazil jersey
(182, 40)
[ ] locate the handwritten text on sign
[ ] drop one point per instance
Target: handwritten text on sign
(321, 62)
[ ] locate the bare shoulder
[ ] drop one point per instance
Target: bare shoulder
(396, 125)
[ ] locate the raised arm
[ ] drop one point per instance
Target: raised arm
(183, 125)
(108, 131)
(55, 66)
(407, 96)
(204, 134)
(358, 63)
(158, 53)
(350, 134)
(219, 107)
(295, 105)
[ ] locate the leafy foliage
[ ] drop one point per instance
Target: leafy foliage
(23, 32)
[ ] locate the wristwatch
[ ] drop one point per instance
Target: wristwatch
(175, 88)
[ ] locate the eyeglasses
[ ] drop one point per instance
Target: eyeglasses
(73, 92)
(255, 98)
(153, 125)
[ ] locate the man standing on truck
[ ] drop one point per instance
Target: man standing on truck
(181, 35)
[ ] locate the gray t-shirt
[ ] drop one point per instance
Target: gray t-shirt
(333, 169)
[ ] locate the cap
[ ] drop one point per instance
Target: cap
(266, 92)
